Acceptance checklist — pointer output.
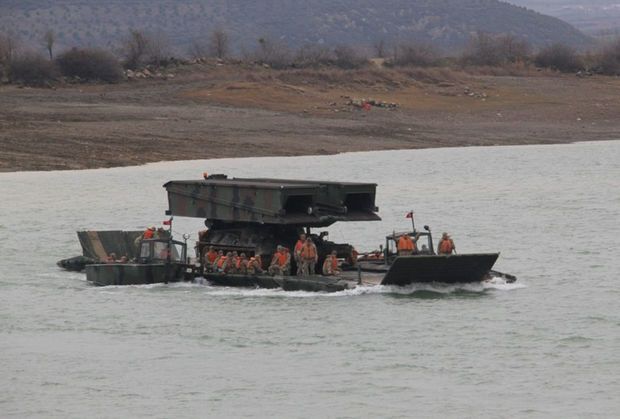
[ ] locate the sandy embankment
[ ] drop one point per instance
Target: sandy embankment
(229, 111)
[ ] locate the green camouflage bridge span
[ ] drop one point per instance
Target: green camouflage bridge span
(272, 201)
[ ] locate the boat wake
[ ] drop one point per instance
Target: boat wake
(422, 290)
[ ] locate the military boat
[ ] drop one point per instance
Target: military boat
(256, 215)
(159, 261)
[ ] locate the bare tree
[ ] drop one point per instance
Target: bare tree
(608, 61)
(512, 49)
(198, 50)
(272, 53)
(8, 48)
(347, 57)
(559, 57)
(135, 48)
(49, 39)
(414, 54)
(495, 50)
(158, 49)
(219, 44)
(312, 55)
(380, 48)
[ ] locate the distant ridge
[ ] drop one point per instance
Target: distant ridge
(445, 23)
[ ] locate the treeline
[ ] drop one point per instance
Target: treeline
(140, 49)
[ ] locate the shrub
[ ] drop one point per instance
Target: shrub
(419, 55)
(559, 57)
(90, 64)
(31, 69)
(608, 61)
(495, 50)
(348, 58)
(274, 54)
(312, 56)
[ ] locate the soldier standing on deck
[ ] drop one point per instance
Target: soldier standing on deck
(446, 245)
(309, 257)
(297, 252)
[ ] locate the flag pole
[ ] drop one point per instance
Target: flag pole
(412, 221)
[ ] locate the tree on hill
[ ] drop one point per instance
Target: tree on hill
(219, 45)
(49, 38)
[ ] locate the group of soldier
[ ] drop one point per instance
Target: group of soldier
(232, 262)
(305, 255)
(407, 245)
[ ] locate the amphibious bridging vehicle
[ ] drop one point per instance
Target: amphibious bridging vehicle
(254, 216)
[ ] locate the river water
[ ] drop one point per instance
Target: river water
(547, 346)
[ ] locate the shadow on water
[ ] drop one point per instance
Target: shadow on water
(439, 295)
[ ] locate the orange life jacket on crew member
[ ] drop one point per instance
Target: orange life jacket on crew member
(238, 264)
(220, 263)
(405, 243)
(334, 263)
(298, 246)
(282, 258)
(308, 251)
(148, 234)
(446, 247)
(211, 256)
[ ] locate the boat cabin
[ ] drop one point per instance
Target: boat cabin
(424, 243)
(162, 250)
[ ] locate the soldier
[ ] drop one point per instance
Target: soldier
(232, 263)
(210, 256)
(286, 268)
(297, 252)
(406, 245)
(446, 245)
(242, 264)
(309, 257)
(278, 265)
(219, 261)
(149, 233)
(254, 266)
(330, 266)
(352, 259)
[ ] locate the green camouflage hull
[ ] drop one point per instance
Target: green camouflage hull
(133, 274)
(447, 269)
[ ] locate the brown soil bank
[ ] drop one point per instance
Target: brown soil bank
(234, 111)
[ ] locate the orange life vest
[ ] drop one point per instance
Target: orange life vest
(221, 262)
(446, 247)
(148, 234)
(405, 243)
(308, 251)
(211, 256)
(334, 263)
(282, 258)
(298, 246)
(238, 264)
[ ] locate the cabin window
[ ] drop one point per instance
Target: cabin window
(145, 250)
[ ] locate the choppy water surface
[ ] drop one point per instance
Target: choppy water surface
(548, 346)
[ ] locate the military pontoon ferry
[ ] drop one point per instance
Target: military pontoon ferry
(254, 216)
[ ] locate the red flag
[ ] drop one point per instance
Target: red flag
(168, 222)
(409, 214)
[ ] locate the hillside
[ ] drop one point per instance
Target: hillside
(592, 16)
(446, 23)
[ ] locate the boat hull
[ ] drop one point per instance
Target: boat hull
(133, 274)
(448, 269)
(314, 283)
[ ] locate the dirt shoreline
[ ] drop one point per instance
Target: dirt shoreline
(232, 112)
